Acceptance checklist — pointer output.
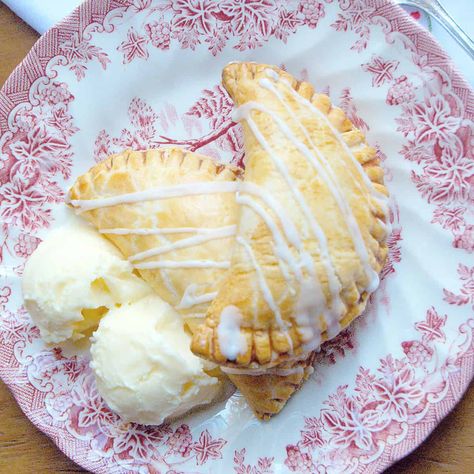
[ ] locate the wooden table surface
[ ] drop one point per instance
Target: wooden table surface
(23, 449)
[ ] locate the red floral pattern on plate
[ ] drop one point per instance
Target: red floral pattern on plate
(439, 142)
(211, 112)
(466, 295)
(364, 424)
(264, 465)
(381, 70)
(133, 47)
(79, 52)
(246, 24)
(381, 406)
(35, 156)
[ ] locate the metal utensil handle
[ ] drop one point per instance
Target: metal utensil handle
(436, 10)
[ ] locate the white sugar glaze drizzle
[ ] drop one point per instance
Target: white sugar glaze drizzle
(266, 292)
(386, 226)
(174, 264)
(167, 281)
(307, 311)
(160, 231)
(303, 101)
(262, 282)
(190, 298)
(287, 224)
(282, 250)
(231, 340)
(243, 112)
(221, 233)
(325, 171)
(164, 192)
(162, 271)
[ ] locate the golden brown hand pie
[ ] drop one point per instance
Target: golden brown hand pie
(311, 232)
(179, 235)
(268, 390)
(132, 226)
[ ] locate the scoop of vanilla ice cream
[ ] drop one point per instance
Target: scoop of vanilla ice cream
(73, 278)
(144, 368)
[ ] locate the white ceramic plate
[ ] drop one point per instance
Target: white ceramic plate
(119, 74)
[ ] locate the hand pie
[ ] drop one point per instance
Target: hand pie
(268, 390)
(141, 225)
(311, 232)
(170, 214)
